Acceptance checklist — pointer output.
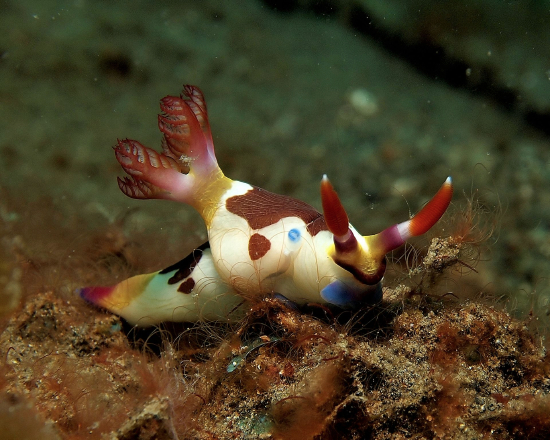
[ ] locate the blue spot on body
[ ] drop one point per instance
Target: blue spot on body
(294, 235)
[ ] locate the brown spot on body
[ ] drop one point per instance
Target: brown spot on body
(261, 208)
(258, 245)
(187, 286)
(184, 267)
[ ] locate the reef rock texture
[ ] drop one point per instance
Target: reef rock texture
(417, 365)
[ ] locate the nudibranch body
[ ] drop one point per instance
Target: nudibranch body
(259, 242)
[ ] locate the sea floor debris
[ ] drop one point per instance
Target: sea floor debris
(414, 366)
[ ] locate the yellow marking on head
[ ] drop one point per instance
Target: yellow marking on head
(365, 262)
(208, 192)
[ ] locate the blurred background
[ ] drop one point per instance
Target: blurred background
(388, 98)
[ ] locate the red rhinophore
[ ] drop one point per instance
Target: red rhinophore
(333, 210)
(433, 210)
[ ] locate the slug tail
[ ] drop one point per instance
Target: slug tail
(188, 291)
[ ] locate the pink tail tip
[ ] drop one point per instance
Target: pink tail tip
(96, 294)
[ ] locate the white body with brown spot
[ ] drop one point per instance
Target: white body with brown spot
(259, 243)
(296, 264)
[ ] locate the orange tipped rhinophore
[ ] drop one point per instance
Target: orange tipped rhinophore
(364, 257)
(432, 211)
(336, 219)
(396, 235)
